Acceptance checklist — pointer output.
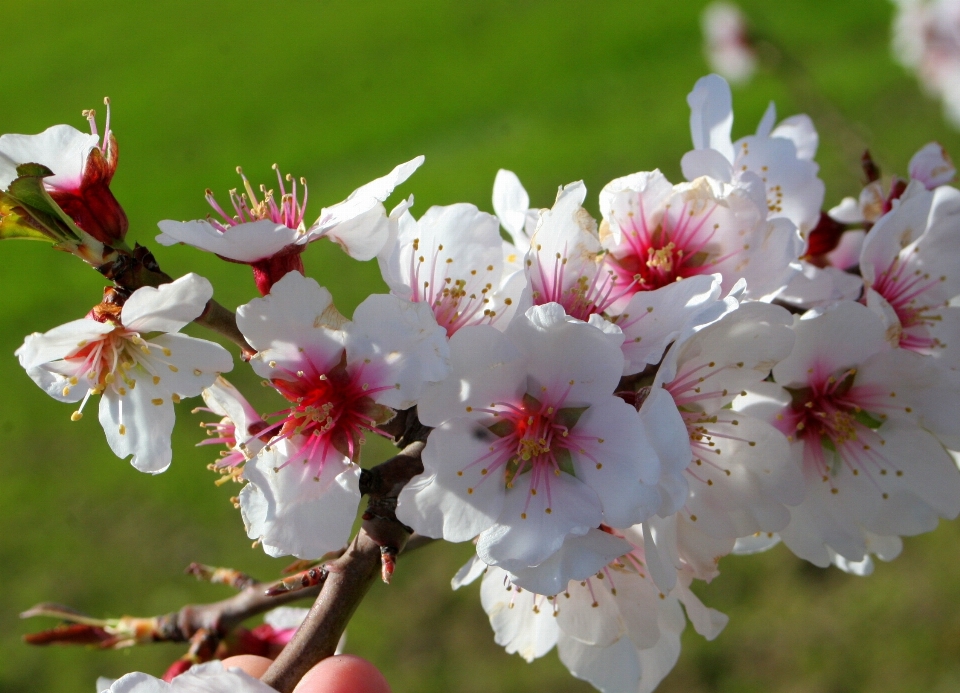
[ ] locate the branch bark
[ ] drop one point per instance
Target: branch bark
(132, 270)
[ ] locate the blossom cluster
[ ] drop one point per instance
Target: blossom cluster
(711, 367)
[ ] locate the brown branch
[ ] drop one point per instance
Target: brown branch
(217, 618)
(132, 270)
(371, 552)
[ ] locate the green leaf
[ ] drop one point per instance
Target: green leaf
(36, 202)
(565, 461)
(501, 429)
(16, 223)
(531, 403)
(867, 420)
(569, 416)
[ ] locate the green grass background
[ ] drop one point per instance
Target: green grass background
(340, 92)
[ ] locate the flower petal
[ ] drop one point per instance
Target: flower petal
(169, 307)
(139, 423)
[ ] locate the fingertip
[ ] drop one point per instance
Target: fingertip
(343, 674)
(250, 664)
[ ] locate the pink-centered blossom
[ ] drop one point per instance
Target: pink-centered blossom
(238, 428)
(530, 445)
(82, 170)
(453, 260)
(137, 361)
(656, 233)
(566, 264)
(867, 425)
(911, 272)
(342, 379)
(269, 231)
(735, 478)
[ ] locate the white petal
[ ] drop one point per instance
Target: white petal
(522, 621)
(653, 319)
(139, 683)
(362, 237)
(169, 307)
(755, 543)
(468, 573)
(444, 503)
(563, 353)
(61, 148)
(139, 423)
(246, 242)
(711, 115)
(839, 337)
(188, 365)
(667, 435)
(293, 324)
(706, 621)
(511, 204)
(60, 342)
(525, 534)
(404, 345)
(618, 462)
(588, 612)
(485, 368)
(632, 202)
(364, 197)
(580, 557)
(298, 514)
(932, 166)
(611, 669)
(706, 162)
(800, 130)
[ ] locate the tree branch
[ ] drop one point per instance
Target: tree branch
(132, 270)
(217, 618)
(349, 577)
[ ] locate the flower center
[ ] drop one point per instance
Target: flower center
(585, 296)
(248, 208)
(456, 301)
(917, 312)
(533, 441)
(331, 412)
(838, 422)
(676, 248)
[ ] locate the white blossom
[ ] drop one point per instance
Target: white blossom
(342, 380)
(452, 260)
(140, 374)
(867, 424)
(775, 164)
(911, 267)
(259, 229)
(530, 445)
(656, 233)
(736, 478)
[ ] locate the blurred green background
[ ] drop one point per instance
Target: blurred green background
(340, 92)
